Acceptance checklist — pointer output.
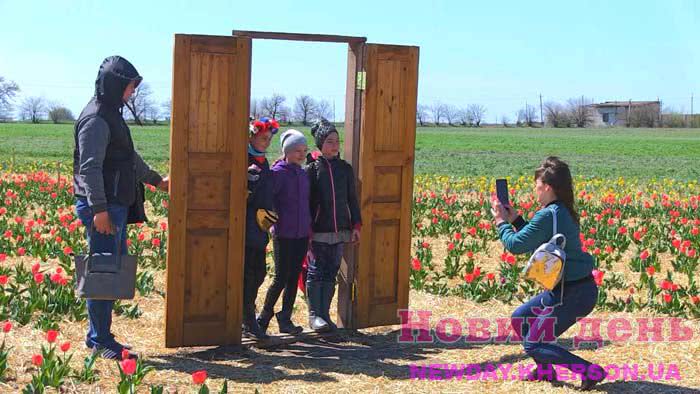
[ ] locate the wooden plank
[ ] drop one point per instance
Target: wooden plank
(197, 219)
(387, 148)
(353, 111)
(177, 213)
(209, 134)
(238, 115)
(298, 36)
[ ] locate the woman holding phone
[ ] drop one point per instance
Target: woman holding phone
(554, 190)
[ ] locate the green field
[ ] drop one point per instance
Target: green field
(640, 153)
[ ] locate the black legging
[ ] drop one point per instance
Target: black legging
(289, 255)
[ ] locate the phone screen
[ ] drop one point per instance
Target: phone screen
(502, 191)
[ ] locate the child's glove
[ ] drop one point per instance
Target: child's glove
(266, 219)
(253, 173)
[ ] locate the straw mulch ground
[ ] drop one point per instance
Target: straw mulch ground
(366, 361)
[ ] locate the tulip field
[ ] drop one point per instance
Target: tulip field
(643, 231)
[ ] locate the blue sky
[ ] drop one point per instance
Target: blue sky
(496, 53)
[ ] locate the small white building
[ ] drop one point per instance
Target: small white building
(622, 113)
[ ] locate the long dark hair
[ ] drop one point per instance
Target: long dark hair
(555, 173)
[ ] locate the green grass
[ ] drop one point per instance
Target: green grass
(641, 153)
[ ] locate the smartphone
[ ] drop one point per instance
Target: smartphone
(502, 192)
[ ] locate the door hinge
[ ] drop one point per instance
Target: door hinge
(361, 80)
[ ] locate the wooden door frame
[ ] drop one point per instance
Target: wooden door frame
(353, 125)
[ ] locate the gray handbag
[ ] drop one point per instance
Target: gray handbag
(104, 276)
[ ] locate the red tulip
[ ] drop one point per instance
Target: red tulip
(490, 276)
(644, 255)
(450, 246)
(667, 298)
(65, 346)
(155, 242)
(415, 264)
(651, 270)
(37, 360)
(7, 327)
(128, 366)
(125, 354)
(35, 268)
(3, 257)
(695, 299)
(425, 245)
(199, 377)
(458, 236)
(67, 250)
(21, 251)
(39, 278)
(3, 280)
(51, 336)
(469, 278)
(598, 277)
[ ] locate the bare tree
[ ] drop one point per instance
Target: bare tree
(284, 114)
(556, 115)
(422, 114)
(644, 116)
(254, 108)
(452, 115)
(324, 109)
(580, 111)
(271, 105)
(153, 113)
(166, 109)
(58, 113)
(140, 103)
(464, 117)
(505, 120)
(33, 108)
(304, 107)
(438, 110)
(477, 113)
(527, 116)
(8, 91)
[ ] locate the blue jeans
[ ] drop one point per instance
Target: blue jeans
(579, 300)
(324, 265)
(100, 311)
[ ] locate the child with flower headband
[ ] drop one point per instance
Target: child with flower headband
(260, 216)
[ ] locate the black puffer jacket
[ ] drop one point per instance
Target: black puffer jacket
(333, 199)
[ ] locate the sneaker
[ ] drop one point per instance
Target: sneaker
(113, 351)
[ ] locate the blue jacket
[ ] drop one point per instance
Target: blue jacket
(290, 193)
(530, 236)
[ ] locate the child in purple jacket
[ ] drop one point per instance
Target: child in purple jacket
(290, 235)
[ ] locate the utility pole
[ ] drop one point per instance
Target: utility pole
(541, 112)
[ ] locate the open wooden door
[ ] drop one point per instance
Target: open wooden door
(208, 139)
(374, 277)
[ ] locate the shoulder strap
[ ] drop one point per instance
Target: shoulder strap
(554, 220)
